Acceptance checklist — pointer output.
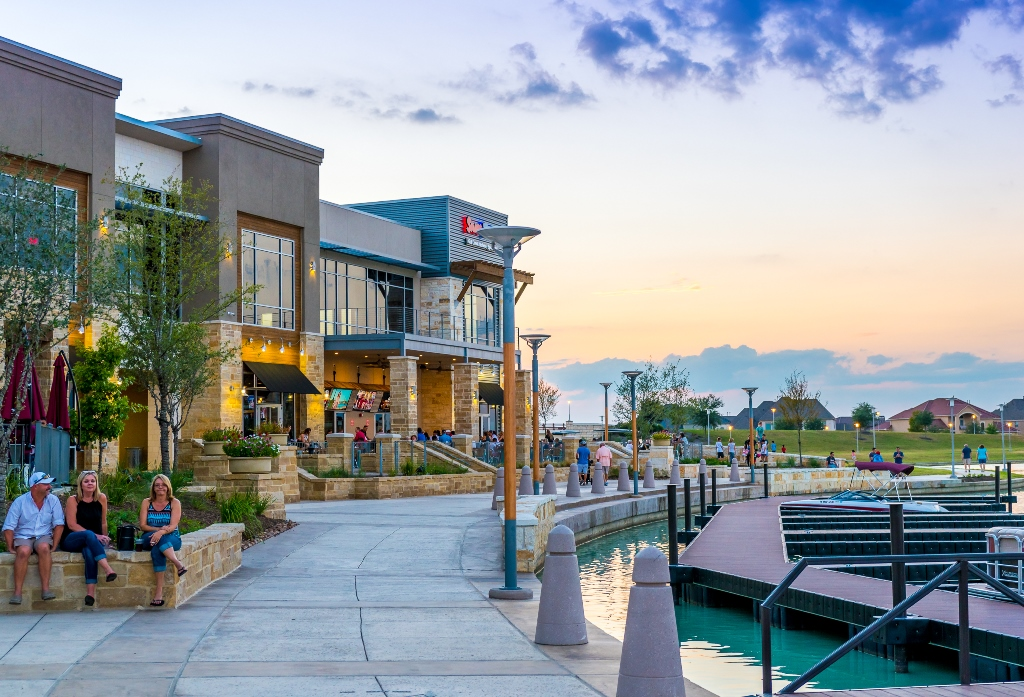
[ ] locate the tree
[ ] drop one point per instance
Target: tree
(548, 396)
(159, 267)
(814, 424)
(102, 400)
(863, 414)
(703, 410)
(42, 288)
(661, 393)
(920, 420)
(798, 405)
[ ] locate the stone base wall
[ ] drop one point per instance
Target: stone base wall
(272, 484)
(436, 406)
(285, 465)
(315, 464)
(207, 469)
(208, 554)
(315, 489)
(535, 517)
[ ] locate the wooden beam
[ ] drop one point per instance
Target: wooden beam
(466, 285)
(522, 287)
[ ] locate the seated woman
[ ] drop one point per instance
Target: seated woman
(86, 517)
(158, 518)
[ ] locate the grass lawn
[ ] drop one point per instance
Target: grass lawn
(917, 447)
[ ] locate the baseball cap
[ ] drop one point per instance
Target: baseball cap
(39, 478)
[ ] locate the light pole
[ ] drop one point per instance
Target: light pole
(605, 385)
(856, 426)
(709, 427)
(750, 450)
(974, 423)
(874, 441)
(534, 341)
(570, 411)
(633, 375)
(952, 441)
(1002, 432)
(773, 418)
(510, 239)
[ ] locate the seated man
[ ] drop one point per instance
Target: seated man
(34, 523)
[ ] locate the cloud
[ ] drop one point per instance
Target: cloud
(1011, 65)
(878, 359)
(1006, 100)
(864, 54)
(267, 88)
(531, 84)
(425, 115)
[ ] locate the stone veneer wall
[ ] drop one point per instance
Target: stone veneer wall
(285, 464)
(311, 406)
(404, 397)
(465, 397)
(272, 484)
(524, 402)
(436, 408)
(439, 314)
(220, 405)
(535, 516)
(209, 554)
(315, 489)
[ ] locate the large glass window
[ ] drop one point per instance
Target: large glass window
(35, 209)
(482, 313)
(357, 300)
(269, 262)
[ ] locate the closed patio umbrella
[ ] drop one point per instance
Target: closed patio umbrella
(32, 410)
(57, 411)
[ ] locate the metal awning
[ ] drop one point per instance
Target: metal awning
(279, 377)
(379, 258)
(492, 394)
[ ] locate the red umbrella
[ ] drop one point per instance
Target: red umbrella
(32, 410)
(57, 412)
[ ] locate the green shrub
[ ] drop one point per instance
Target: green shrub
(444, 468)
(120, 485)
(258, 502)
(813, 462)
(790, 461)
(181, 478)
(222, 434)
(236, 508)
(187, 525)
(115, 518)
(408, 468)
(253, 446)
(14, 484)
(270, 428)
(335, 473)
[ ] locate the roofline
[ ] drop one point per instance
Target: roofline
(446, 197)
(368, 215)
(376, 256)
(223, 124)
(57, 68)
(154, 133)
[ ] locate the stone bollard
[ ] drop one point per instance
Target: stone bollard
(526, 482)
(674, 475)
(624, 478)
(597, 479)
(560, 618)
(649, 476)
(650, 665)
(549, 480)
(734, 471)
(702, 467)
(499, 488)
(572, 487)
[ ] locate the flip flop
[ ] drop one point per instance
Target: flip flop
(89, 600)
(156, 603)
(111, 577)
(182, 572)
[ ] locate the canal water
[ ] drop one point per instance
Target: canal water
(721, 647)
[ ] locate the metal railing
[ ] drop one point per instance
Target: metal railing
(401, 320)
(961, 565)
(490, 453)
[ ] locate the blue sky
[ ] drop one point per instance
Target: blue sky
(818, 181)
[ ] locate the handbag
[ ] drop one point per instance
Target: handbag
(126, 538)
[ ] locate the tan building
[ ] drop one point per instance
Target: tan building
(966, 416)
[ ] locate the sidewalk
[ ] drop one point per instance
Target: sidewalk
(364, 598)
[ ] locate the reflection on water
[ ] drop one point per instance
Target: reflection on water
(721, 647)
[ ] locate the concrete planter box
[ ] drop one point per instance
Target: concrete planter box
(249, 465)
(213, 447)
(279, 438)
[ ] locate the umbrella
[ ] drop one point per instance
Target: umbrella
(57, 412)
(32, 410)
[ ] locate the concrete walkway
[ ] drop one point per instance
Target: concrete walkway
(363, 598)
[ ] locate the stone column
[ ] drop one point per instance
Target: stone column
(404, 397)
(220, 405)
(466, 391)
(434, 399)
(463, 443)
(569, 444)
(386, 443)
(310, 410)
(523, 445)
(524, 401)
(340, 444)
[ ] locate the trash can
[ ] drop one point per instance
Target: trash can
(135, 458)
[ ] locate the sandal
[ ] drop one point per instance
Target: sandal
(89, 600)
(156, 603)
(111, 577)
(182, 571)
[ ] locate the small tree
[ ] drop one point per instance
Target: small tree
(814, 424)
(661, 393)
(920, 420)
(42, 287)
(159, 267)
(798, 405)
(548, 396)
(863, 414)
(104, 405)
(703, 411)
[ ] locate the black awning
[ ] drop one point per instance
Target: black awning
(283, 378)
(492, 393)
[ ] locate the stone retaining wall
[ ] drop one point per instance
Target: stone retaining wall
(271, 484)
(535, 516)
(316, 489)
(208, 554)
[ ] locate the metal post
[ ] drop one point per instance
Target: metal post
(509, 417)
(965, 627)
(687, 524)
(606, 385)
(766, 651)
(534, 341)
(899, 574)
(673, 526)
(714, 487)
(952, 441)
(1009, 486)
(632, 375)
(998, 475)
(703, 508)
(636, 484)
(1002, 430)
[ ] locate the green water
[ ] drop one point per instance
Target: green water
(721, 647)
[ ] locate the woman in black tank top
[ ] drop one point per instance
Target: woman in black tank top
(86, 518)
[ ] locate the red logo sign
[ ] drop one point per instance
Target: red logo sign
(472, 226)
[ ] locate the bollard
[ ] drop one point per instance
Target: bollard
(572, 487)
(998, 498)
(673, 526)
(549, 480)
(650, 665)
(687, 513)
(499, 488)
(753, 471)
(526, 481)
(623, 478)
(649, 476)
(703, 501)
(1009, 486)
(560, 618)
(898, 574)
(597, 487)
(674, 475)
(636, 489)
(702, 466)
(714, 487)
(734, 472)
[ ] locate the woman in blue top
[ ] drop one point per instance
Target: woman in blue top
(982, 456)
(158, 518)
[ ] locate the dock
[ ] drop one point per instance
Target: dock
(1003, 689)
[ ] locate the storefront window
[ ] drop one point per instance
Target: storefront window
(269, 262)
(482, 310)
(357, 300)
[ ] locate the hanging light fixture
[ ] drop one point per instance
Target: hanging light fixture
(81, 326)
(282, 345)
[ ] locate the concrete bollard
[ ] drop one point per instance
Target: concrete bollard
(649, 476)
(572, 487)
(560, 618)
(702, 467)
(597, 487)
(674, 474)
(624, 478)
(734, 471)
(499, 488)
(549, 480)
(526, 482)
(650, 665)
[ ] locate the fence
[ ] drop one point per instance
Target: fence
(439, 325)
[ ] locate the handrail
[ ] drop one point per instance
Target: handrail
(960, 564)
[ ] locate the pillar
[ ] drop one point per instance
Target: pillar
(524, 400)
(310, 410)
(434, 398)
(220, 404)
(404, 396)
(340, 444)
(570, 443)
(466, 394)
(463, 443)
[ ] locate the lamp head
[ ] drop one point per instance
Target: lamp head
(750, 390)
(632, 374)
(605, 385)
(534, 340)
(509, 235)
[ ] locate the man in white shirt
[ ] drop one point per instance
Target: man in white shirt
(719, 448)
(34, 523)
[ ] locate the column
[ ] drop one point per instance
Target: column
(570, 443)
(311, 406)
(434, 398)
(524, 400)
(220, 405)
(466, 392)
(404, 396)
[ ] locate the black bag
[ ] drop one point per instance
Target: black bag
(126, 538)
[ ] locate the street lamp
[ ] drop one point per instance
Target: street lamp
(534, 341)
(633, 375)
(974, 423)
(874, 441)
(856, 426)
(709, 426)
(605, 385)
(952, 441)
(1002, 432)
(750, 450)
(570, 411)
(773, 418)
(510, 239)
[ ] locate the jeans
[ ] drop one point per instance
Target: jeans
(157, 553)
(92, 550)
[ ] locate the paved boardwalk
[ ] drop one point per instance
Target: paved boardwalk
(363, 598)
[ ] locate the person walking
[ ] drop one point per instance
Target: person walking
(604, 459)
(583, 461)
(966, 452)
(719, 448)
(982, 456)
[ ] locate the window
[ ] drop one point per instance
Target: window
(33, 211)
(482, 313)
(269, 262)
(357, 300)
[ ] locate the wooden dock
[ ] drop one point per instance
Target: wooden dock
(991, 689)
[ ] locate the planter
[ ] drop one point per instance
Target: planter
(213, 447)
(279, 438)
(249, 465)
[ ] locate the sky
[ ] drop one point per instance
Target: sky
(751, 188)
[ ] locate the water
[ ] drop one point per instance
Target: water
(721, 647)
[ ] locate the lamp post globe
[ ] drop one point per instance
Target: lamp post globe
(510, 238)
(534, 341)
